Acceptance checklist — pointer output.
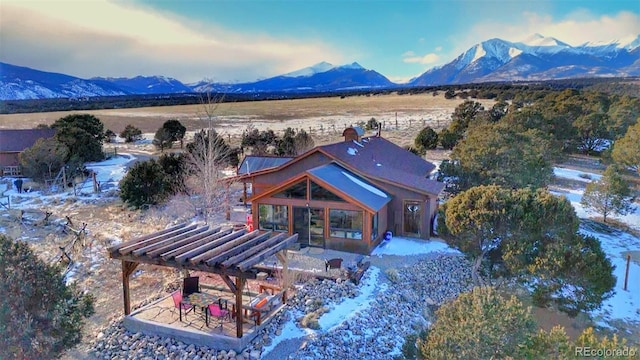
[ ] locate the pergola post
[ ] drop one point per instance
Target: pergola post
(128, 268)
(239, 318)
(286, 278)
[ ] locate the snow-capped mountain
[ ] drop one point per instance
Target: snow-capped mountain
(311, 70)
(146, 84)
(321, 77)
(17, 82)
(536, 58)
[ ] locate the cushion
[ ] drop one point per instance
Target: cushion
(261, 303)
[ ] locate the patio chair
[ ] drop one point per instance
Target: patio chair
(332, 264)
(190, 285)
(217, 312)
(180, 305)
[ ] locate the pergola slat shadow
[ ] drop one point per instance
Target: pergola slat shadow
(219, 251)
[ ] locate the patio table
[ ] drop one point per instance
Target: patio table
(202, 300)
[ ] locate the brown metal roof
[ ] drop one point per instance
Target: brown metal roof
(17, 140)
(254, 163)
(215, 250)
(379, 158)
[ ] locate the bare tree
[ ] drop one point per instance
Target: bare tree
(207, 156)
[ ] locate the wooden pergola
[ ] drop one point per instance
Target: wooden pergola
(215, 250)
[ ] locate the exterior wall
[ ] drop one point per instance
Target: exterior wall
(9, 159)
(363, 246)
(395, 210)
(261, 183)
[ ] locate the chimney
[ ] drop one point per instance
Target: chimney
(353, 133)
(379, 129)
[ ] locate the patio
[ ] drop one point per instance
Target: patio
(162, 318)
(228, 253)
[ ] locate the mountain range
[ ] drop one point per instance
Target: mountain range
(535, 58)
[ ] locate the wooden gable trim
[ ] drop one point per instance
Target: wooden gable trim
(308, 176)
(279, 187)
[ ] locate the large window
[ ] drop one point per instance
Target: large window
(320, 193)
(273, 217)
(296, 191)
(374, 226)
(345, 224)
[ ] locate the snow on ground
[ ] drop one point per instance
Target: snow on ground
(405, 246)
(111, 171)
(108, 174)
(349, 306)
(632, 219)
(575, 174)
(623, 305)
(370, 287)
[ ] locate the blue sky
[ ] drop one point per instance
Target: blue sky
(242, 40)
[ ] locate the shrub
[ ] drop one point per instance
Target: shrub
(131, 133)
(146, 183)
(427, 139)
(40, 315)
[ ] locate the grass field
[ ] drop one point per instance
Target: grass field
(322, 116)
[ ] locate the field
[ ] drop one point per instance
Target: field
(325, 118)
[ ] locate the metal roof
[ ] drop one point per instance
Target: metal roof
(17, 140)
(351, 184)
(379, 158)
(253, 163)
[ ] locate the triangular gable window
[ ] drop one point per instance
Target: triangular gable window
(320, 193)
(296, 191)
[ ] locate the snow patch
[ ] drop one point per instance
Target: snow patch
(575, 174)
(352, 151)
(348, 307)
(400, 246)
(365, 185)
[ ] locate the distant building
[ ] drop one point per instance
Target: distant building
(13, 142)
(344, 196)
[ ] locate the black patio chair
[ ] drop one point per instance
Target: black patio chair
(332, 264)
(190, 285)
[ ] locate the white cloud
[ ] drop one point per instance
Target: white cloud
(102, 38)
(438, 48)
(410, 57)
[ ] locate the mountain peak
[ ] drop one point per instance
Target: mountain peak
(311, 70)
(541, 40)
(354, 65)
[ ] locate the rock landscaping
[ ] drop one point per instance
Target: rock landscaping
(400, 304)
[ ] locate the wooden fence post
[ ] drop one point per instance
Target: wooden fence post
(626, 273)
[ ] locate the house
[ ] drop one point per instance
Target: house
(13, 142)
(346, 195)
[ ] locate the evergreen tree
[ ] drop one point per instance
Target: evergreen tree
(40, 315)
(609, 195)
(145, 184)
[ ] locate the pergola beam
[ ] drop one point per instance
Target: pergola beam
(223, 247)
(191, 239)
(249, 263)
(210, 245)
(127, 249)
(168, 241)
(145, 237)
(190, 246)
(251, 251)
(237, 249)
